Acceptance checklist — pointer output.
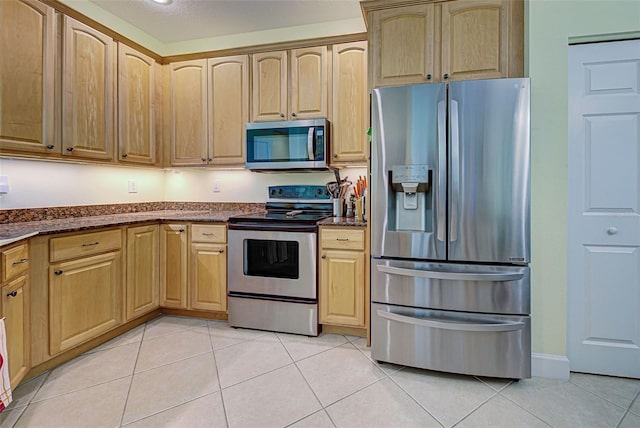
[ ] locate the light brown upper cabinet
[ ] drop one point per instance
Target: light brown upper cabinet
(136, 106)
(87, 92)
(448, 40)
(290, 84)
(188, 121)
(27, 46)
(228, 92)
(350, 104)
(209, 107)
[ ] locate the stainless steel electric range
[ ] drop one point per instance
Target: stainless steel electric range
(272, 277)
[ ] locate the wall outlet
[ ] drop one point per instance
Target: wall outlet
(216, 186)
(132, 186)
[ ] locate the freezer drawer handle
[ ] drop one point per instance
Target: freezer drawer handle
(451, 275)
(450, 325)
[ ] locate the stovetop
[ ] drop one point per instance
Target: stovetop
(291, 204)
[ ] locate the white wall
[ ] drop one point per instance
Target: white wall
(37, 184)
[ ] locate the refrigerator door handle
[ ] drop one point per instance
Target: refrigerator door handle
(455, 170)
(476, 276)
(441, 197)
(451, 325)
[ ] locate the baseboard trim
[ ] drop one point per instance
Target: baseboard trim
(550, 366)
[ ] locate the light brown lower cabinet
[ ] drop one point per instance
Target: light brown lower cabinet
(85, 299)
(142, 270)
(208, 277)
(14, 304)
(173, 265)
(342, 277)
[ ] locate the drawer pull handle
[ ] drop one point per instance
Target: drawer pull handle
(58, 272)
(451, 325)
(14, 293)
(180, 230)
(19, 262)
(459, 276)
(91, 244)
(324, 256)
(342, 239)
(208, 233)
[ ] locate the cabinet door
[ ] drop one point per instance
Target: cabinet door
(136, 115)
(208, 277)
(88, 92)
(85, 299)
(27, 46)
(475, 39)
(350, 104)
(309, 83)
(173, 265)
(269, 86)
(341, 299)
(142, 270)
(228, 108)
(402, 44)
(188, 92)
(15, 310)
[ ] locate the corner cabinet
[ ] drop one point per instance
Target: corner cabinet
(209, 106)
(27, 43)
(342, 291)
(448, 40)
(136, 107)
(350, 104)
(173, 265)
(142, 284)
(289, 85)
(87, 92)
(15, 309)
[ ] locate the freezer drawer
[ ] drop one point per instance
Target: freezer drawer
(466, 343)
(451, 286)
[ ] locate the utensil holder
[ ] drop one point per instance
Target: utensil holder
(359, 211)
(338, 207)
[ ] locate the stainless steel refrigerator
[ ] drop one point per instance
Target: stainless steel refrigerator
(450, 282)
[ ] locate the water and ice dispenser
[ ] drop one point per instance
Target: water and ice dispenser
(410, 185)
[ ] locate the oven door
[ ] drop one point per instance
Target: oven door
(272, 263)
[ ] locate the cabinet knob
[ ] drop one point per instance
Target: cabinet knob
(612, 230)
(14, 293)
(428, 76)
(209, 159)
(335, 155)
(50, 146)
(203, 159)
(180, 230)
(293, 115)
(281, 114)
(446, 75)
(323, 256)
(221, 251)
(69, 149)
(58, 272)
(124, 155)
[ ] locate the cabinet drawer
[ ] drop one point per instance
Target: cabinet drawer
(342, 239)
(15, 261)
(84, 245)
(209, 233)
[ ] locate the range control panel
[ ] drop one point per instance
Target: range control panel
(298, 192)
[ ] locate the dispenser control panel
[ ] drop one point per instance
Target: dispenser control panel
(409, 174)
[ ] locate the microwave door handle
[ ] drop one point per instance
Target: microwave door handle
(310, 139)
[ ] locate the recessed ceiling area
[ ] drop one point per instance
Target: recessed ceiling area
(183, 20)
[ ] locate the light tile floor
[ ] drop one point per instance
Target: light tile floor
(185, 372)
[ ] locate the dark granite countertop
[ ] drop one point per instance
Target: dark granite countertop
(13, 232)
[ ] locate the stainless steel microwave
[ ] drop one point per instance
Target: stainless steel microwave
(288, 145)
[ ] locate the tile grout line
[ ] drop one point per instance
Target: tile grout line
(495, 393)
(215, 362)
(26, 407)
(601, 397)
(126, 401)
(518, 405)
(619, 424)
(295, 363)
(416, 401)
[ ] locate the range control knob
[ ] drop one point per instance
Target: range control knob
(280, 192)
(272, 192)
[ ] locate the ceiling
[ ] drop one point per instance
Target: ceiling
(195, 19)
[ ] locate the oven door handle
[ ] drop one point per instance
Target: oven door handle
(274, 227)
(452, 325)
(310, 139)
(474, 276)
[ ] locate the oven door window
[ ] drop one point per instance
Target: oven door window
(271, 258)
